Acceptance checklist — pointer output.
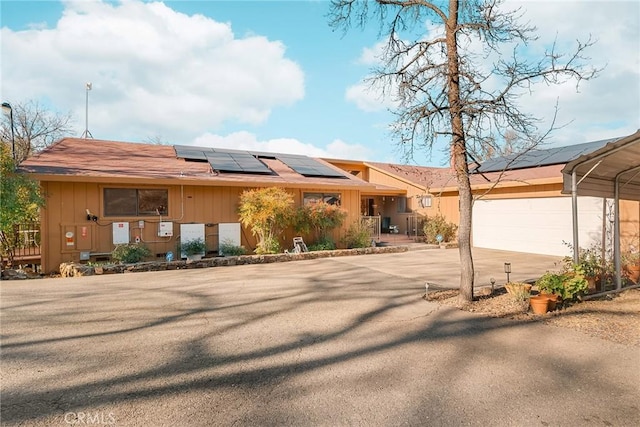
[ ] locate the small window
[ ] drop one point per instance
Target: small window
(135, 202)
(402, 204)
(329, 198)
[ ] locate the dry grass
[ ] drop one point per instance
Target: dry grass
(614, 317)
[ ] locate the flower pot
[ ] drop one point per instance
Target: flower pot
(194, 257)
(539, 304)
(553, 300)
(633, 272)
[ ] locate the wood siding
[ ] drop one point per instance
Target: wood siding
(67, 202)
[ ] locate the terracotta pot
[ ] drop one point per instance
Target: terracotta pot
(553, 300)
(633, 272)
(539, 304)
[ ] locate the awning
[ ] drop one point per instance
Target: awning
(596, 172)
(613, 172)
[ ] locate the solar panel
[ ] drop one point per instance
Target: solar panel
(309, 167)
(236, 161)
(546, 157)
(190, 153)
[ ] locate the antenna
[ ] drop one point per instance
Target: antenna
(86, 134)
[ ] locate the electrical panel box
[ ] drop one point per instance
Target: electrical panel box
(189, 232)
(120, 233)
(165, 229)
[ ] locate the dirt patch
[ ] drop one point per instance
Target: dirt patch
(614, 317)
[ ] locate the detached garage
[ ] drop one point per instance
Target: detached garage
(535, 225)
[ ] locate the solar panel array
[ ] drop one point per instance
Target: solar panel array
(238, 161)
(309, 167)
(224, 160)
(536, 158)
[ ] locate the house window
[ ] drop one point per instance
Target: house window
(135, 202)
(329, 198)
(402, 204)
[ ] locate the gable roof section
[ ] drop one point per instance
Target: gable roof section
(73, 159)
(541, 157)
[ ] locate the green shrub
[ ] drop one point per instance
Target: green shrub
(324, 244)
(438, 225)
(228, 248)
(130, 253)
(320, 218)
(267, 212)
(551, 283)
(357, 236)
(193, 246)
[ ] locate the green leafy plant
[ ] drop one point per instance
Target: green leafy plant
(438, 225)
(267, 212)
(590, 260)
(20, 202)
(319, 218)
(130, 253)
(193, 246)
(228, 248)
(324, 244)
(575, 283)
(357, 236)
(551, 283)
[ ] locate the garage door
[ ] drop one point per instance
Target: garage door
(536, 226)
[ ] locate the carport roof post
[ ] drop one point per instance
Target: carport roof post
(601, 174)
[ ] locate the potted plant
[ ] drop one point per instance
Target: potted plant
(193, 249)
(592, 264)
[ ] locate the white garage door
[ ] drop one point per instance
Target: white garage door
(536, 226)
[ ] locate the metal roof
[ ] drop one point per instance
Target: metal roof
(546, 157)
(597, 171)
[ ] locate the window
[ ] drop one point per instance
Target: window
(135, 202)
(329, 198)
(402, 204)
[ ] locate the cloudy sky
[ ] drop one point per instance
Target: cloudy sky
(272, 75)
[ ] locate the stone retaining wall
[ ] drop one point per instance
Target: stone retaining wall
(78, 270)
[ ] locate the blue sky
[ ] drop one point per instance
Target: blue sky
(272, 76)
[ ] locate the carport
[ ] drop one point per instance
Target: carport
(612, 172)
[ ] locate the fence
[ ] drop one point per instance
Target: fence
(372, 223)
(23, 245)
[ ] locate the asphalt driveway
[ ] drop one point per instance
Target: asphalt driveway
(336, 341)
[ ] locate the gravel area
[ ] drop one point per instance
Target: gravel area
(614, 317)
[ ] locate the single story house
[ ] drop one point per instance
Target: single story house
(102, 193)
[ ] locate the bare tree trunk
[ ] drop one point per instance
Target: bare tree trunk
(458, 146)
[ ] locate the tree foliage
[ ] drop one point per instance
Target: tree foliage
(20, 200)
(463, 80)
(35, 128)
(267, 212)
(320, 218)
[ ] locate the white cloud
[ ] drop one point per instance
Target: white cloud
(247, 141)
(607, 106)
(154, 70)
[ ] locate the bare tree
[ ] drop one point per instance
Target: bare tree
(459, 81)
(35, 128)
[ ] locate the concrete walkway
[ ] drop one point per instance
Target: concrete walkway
(336, 341)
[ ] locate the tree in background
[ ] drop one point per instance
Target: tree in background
(462, 81)
(20, 201)
(35, 128)
(267, 212)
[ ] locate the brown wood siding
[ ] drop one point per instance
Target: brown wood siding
(67, 202)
